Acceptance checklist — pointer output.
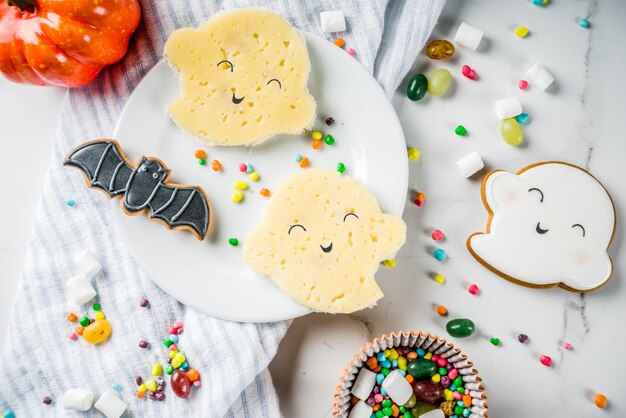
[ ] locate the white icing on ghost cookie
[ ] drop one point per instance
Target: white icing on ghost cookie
(550, 224)
(322, 239)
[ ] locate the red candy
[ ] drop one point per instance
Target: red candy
(437, 235)
(180, 384)
(567, 346)
(468, 72)
(545, 360)
(473, 289)
(243, 167)
(523, 84)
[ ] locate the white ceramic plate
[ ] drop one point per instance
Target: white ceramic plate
(212, 276)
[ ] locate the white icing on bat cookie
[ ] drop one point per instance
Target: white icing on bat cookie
(550, 224)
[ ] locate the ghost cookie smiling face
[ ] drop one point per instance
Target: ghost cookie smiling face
(243, 78)
(322, 239)
(550, 224)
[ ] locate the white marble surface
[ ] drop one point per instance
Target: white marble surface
(580, 121)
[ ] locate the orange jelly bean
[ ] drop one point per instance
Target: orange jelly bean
(372, 362)
(376, 407)
(412, 355)
(317, 144)
(192, 375)
(72, 317)
(265, 192)
(377, 368)
(216, 165)
(395, 411)
(97, 332)
(200, 153)
(409, 378)
(600, 400)
(140, 395)
(339, 42)
(467, 401)
(441, 310)
(79, 330)
(304, 162)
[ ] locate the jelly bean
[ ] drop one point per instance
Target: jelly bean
(84, 321)
(440, 49)
(427, 391)
(494, 341)
(304, 162)
(460, 130)
(184, 366)
(467, 412)
(437, 235)
(567, 346)
(151, 385)
(511, 132)
(389, 263)
(521, 31)
(243, 167)
(143, 344)
(417, 87)
(436, 378)
(545, 360)
(317, 144)
(180, 384)
(254, 176)
(402, 363)
(386, 402)
(468, 72)
(298, 158)
(411, 402)
(442, 371)
(9, 414)
(440, 278)
(381, 356)
(339, 42)
(421, 368)
(116, 387)
(216, 165)
(264, 192)
(523, 84)
(329, 139)
(419, 199)
(167, 342)
(439, 254)
(441, 362)
(97, 332)
(380, 378)
(413, 154)
(372, 362)
(316, 135)
(157, 370)
(237, 197)
(144, 303)
(330, 121)
(386, 364)
(341, 167)
(457, 396)
(421, 408)
(200, 153)
(70, 202)
(447, 394)
(201, 161)
(387, 411)
(583, 23)
(473, 289)
(522, 118)
(47, 400)
(80, 330)
(249, 168)
(233, 241)
(421, 352)
(467, 401)
(97, 307)
(600, 400)
(72, 336)
(192, 375)
(99, 315)
(72, 317)
(173, 337)
(169, 369)
(522, 338)
(458, 410)
(458, 380)
(351, 52)
(445, 381)
(441, 310)
(240, 185)
(460, 327)
(439, 81)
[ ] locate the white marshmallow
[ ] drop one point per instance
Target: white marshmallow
(110, 404)
(508, 108)
(470, 165)
(80, 290)
(361, 410)
(78, 399)
(468, 36)
(363, 384)
(539, 76)
(435, 413)
(333, 21)
(87, 263)
(397, 387)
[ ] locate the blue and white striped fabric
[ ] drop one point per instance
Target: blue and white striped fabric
(39, 360)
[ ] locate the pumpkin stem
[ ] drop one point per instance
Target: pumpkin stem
(22, 4)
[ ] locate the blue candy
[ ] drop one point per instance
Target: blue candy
(116, 387)
(9, 414)
(522, 118)
(394, 363)
(466, 412)
(70, 203)
(537, 2)
(184, 366)
(298, 158)
(380, 378)
(386, 364)
(173, 338)
(421, 352)
(383, 392)
(583, 23)
(249, 168)
(381, 357)
(439, 254)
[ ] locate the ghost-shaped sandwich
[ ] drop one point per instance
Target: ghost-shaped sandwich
(550, 224)
(322, 239)
(243, 78)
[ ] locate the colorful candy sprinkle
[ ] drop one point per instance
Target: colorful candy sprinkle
(583, 23)
(341, 167)
(116, 387)
(439, 254)
(317, 144)
(522, 338)
(298, 158)
(440, 278)
(232, 241)
(600, 401)
(545, 360)
(419, 200)
(567, 346)
(254, 176)
(473, 289)
(316, 135)
(99, 315)
(72, 317)
(494, 341)
(201, 161)
(330, 121)
(339, 42)
(237, 197)
(468, 72)
(441, 310)
(329, 139)
(265, 192)
(143, 344)
(351, 52)
(522, 118)
(521, 31)
(523, 84)
(437, 235)
(413, 154)
(97, 307)
(460, 130)
(243, 167)
(304, 162)
(200, 153)
(72, 336)
(84, 321)
(389, 263)
(144, 303)
(71, 202)
(249, 168)
(47, 400)
(216, 165)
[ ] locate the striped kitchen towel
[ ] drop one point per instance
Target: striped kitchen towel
(39, 360)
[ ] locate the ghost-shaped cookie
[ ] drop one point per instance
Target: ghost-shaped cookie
(550, 224)
(321, 240)
(243, 78)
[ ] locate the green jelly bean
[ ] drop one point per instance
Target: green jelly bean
(167, 343)
(439, 81)
(417, 88)
(411, 402)
(384, 371)
(511, 132)
(421, 368)
(458, 410)
(84, 321)
(233, 241)
(329, 139)
(460, 328)
(458, 382)
(97, 307)
(379, 414)
(386, 402)
(341, 167)
(388, 411)
(460, 130)
(407, 414)
(443, 371)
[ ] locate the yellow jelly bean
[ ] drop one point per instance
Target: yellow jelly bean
(402, 363)
(99, 315)
(389, 263)
(439, 278)
(157, 370)
(241, 185)
(447, 395)
(316, 135)
(237, 197)
(142, 388)
(436, 378)
(439, 81)
(151, 385)
(393, 355)
(511, 132)
(428, 356)
(254, 176)
(522, 31)
(413, 154)
(97, 332)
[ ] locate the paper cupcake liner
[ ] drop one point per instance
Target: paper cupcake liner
(417, 339)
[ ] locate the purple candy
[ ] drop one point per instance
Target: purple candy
(329, 121)
(160, 381)
(47, 400)
(160, 396)
(144, 303)
(376, 389)
(445, 381)
(370, 401)
(449, 367)
(152, 395)
(143, 344)
(138, 380)
(522, 338)
(159, 389)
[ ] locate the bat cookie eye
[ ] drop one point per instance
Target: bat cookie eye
(155, 175)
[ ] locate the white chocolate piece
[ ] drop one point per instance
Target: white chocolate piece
(468, 36)
(78, 399)
(470, 164)
(361, 410)
(539, 76)
(110, 404)
(80, 290)
(333, 21)
(87, 263)
(397, 387)
(364, 383)
(508, 108)
(435, 413)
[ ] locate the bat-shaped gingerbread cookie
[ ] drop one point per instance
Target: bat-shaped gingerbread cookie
(144, 188)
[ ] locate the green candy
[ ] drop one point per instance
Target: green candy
(460, 328)
(233, 241)
(511, 132)
(458, 382)
(439, 81)
(385, 371)
(341, 167)
(170, 369)
(329, 139)
(421, 368)
(201, 161)
(84, 321)
(458, 410)
(460, 130)
(411, 402)
(495, 341)
(407, 414)
(379, 414)
(386, 402)
(167, 343)
(387, 411)
(402, 409)
(96, 307)
(417, 88)
(443, 371)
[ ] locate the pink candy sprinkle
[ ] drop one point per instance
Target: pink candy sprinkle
(243, 167)
(473, 289)
(545, 360)
(468, 72)
(73, 336)
(437, 235)
(173, 347)
(172, 330)
(441, 362)
(378, 398)
(523, 84)
(567, 346)
(197, 383)
(434, 358)
(452, 374)
(456, 395)
(351, 51)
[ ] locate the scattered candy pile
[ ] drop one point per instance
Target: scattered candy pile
(94, 331)
(408, 382)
